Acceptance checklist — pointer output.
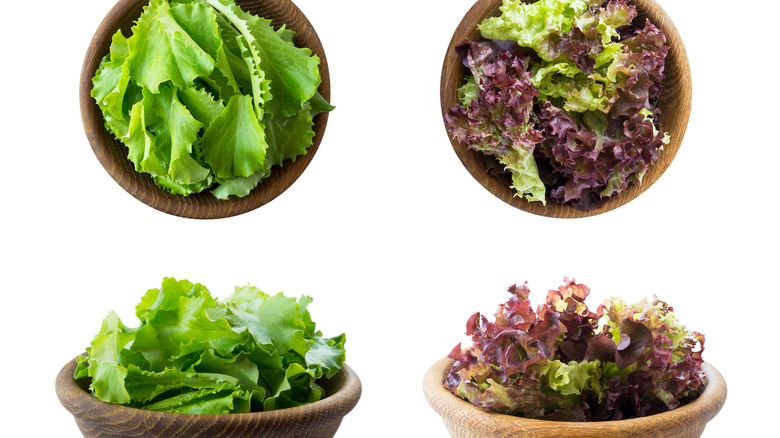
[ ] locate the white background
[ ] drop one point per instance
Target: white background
(388, 232)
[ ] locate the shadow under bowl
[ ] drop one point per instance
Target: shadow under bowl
(112, 154)
(320, 419)
(464, 420)
(675, 105)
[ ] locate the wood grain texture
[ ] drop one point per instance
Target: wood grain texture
(675, 104)
(98, 419)
(113, 155)
(464, 420)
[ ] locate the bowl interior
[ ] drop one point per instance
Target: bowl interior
(674, 103)
(112, 154)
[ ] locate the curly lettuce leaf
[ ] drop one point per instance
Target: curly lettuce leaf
(325, 355)
(201, 105)
(144, 385)
(627, 76)
(234, 143)
(161, 50)
(110, 85)
(525, 174)
(299, 389)
(236, 33)
(180, 321)
(547, 26)
(139, 144)
(289, 137)
(200, 21)
(598, 157)
(637, 71)
(272, 320)
(614, 15)
(576, 40)
(532, 24)
(497, 120)
(578, 91)
(204, 401)
(240, 186)
(293, 72)
(178, 188)
(573, 378)
(318, 105)
(104, 361)
(176, 131)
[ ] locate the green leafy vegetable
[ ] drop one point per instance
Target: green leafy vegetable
(194, 354)
(203, 93)
(536, 25)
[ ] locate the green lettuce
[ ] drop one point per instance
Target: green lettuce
(573, 378)
(194, 354)
(574, 39)
(535, 24)
(203, 93)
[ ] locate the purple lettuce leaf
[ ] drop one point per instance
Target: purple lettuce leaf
(638, 70)
(593, 166)
(496, 119)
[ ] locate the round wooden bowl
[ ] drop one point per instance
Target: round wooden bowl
(320, 419)
(113, 155)
(675, 105)
(464, 420)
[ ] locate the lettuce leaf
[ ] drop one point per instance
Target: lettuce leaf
(598, 157)
(110, 84)
(203, 93)
(566, 362)
(194, 354)
(497, 119)
(160, 50)
(234, 143)
(293, 72)
(557, 30)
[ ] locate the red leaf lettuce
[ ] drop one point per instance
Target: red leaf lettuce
(566, 362)
(562, 94)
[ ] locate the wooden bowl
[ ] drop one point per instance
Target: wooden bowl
(320, 419)
(675, 104)
(113, 155)
(464, 420)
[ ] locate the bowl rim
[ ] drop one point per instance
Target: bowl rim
(201, 205)
(339, 403)
(680, 112)
(454, 408)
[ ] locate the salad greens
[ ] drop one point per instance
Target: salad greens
(566, 362)
(562, 93)
(193, 354)
(203, 93)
